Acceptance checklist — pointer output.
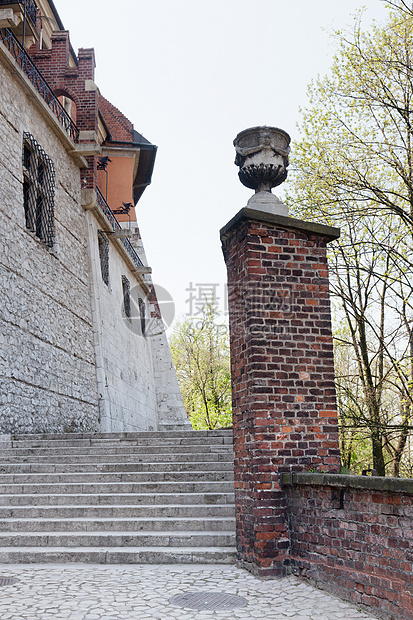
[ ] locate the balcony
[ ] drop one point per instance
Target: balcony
(21, 15)
(28, 67)
(110, 217)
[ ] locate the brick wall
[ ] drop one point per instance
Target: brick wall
(284, 404)
(76, 83)
(353, 535)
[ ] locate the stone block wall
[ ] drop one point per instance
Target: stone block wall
(47, 362)
(70, 360)
(353, 535)
(127, 390)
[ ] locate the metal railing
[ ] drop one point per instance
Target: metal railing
(29, 68)
(107, 211)
(30, 5)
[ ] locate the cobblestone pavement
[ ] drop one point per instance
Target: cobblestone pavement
(90, 592)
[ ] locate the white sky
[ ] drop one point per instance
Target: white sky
(191, 75)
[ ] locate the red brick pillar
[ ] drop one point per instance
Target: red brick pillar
(284, 402)
(88, 112)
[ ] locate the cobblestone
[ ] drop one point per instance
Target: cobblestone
(142, 592)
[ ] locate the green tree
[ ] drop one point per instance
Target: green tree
(200, 352)
(353, 169)
(357, 132)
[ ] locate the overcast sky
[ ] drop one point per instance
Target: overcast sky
(191, 75)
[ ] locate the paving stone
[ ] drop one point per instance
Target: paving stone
(142, 592)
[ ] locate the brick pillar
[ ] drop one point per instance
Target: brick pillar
(284, 402)
(87, 114)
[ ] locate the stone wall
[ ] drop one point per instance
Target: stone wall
(353, 535)
(127, 390)
(47, 363)
(170, 407)
(70, 360)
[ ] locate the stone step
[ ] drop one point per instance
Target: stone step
(164, 497)
(114, 450)
(136, 488)
(142, 524)
(116, 499)
(118, 539)
(104, 443)
(105, 467)
(119, 555)
(150, 457)
(171, 427)
(177, 434)
(152, 511)
(114, 477)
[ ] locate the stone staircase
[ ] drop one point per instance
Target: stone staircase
(133, 498)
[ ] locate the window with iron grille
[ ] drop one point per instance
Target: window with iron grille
(103, 242)
(126, 296)
(38, 190)
(142, 313)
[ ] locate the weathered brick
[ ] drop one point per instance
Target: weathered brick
(282, 374)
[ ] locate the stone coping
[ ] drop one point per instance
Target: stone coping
(329, 232)
(369, 483)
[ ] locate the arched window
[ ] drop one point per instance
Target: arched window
(68, 104)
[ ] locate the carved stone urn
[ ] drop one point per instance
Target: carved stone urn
(262, 156)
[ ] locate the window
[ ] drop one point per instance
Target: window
(103, 242)
(126, 296)
(38, 190)
(142, 313)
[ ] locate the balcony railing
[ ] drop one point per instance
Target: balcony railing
(31, 8)
(29, 68)
(107, 211)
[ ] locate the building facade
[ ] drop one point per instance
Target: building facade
(82, 342)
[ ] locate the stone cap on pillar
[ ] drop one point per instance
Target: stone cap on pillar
(262, 157)
(329, 232)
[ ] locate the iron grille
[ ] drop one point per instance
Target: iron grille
(38, 189)
(8, 581)
(27, 65)
(126, 296)
(107, 211)
(103, 243)
(142, 313)
(131, 251)
(30, 5)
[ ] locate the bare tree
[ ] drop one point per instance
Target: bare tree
(354, 169)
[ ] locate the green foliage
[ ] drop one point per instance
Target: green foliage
(353, 168)
(200, 351)
(356, 145)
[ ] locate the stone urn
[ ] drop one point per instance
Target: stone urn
(262, 157)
